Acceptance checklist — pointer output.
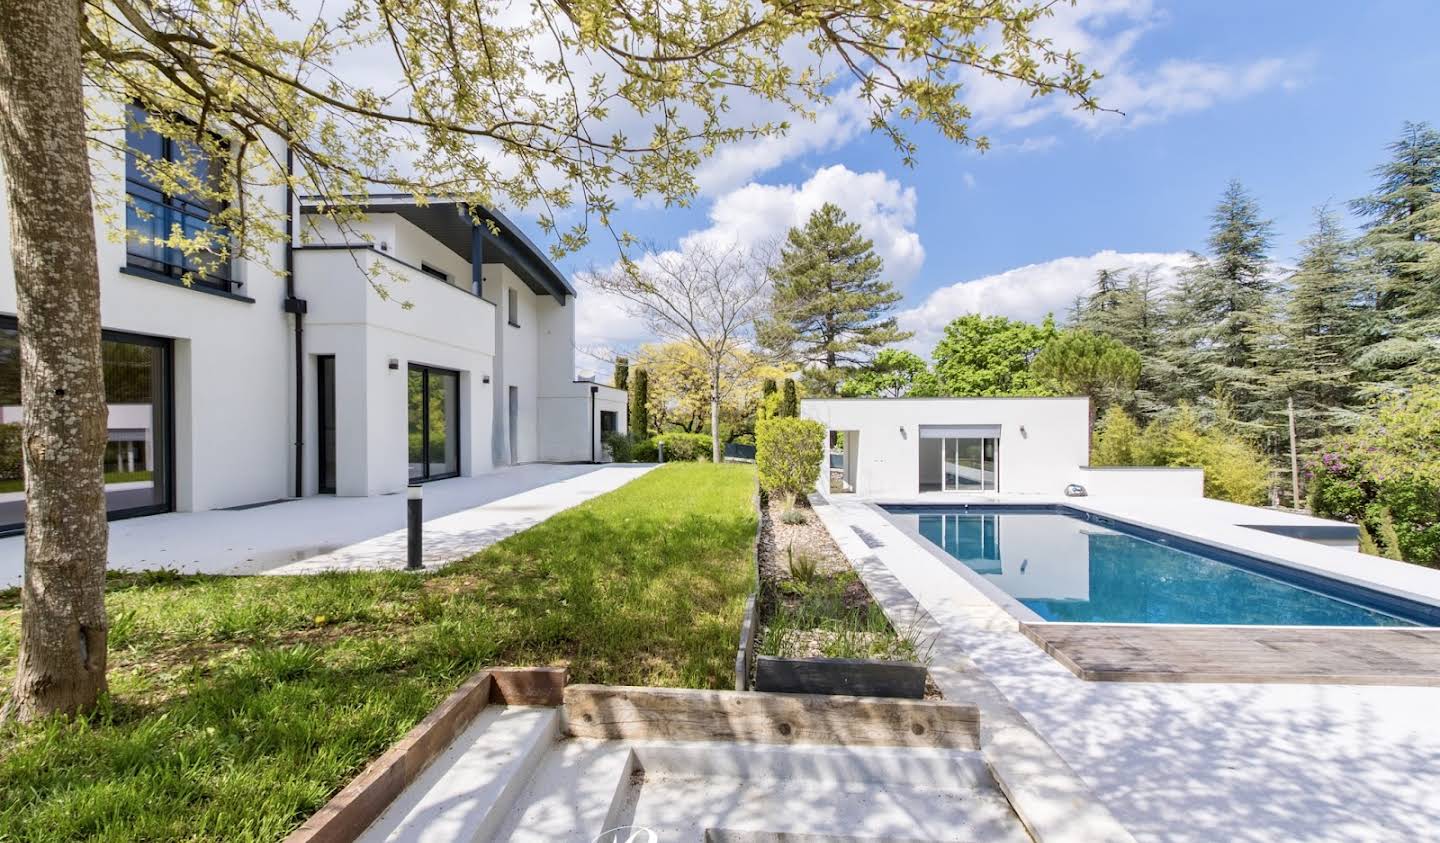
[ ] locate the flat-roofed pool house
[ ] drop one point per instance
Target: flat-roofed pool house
(241, 388)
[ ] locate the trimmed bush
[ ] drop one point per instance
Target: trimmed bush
(643, 450)
(685, 447)
(788, 453)
(620, 446)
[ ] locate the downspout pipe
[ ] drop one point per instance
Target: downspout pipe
(295, 306)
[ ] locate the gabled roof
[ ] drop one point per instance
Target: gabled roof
(449, 222)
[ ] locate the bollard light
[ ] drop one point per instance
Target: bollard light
(660, 449)
(414, 503)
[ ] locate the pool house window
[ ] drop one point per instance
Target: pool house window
(959, 458)
(152, 213)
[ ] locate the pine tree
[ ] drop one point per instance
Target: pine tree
(1402, 242)
(640, 404)
(831, 309)
(1325, 316)
(1127, 307)
(622, 372)
(1223, 311)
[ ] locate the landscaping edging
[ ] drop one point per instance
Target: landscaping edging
(361, 802)
(744, 656)
(852, 677)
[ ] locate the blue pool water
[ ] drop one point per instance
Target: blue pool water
(1064, 567)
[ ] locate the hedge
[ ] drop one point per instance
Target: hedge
(788, 453)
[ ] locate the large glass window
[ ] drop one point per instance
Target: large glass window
(957, 459)
(137, 459)
(434, 423)
(152, 213)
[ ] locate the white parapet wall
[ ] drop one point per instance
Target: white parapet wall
(1141, 481)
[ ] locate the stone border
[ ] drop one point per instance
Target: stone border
(346, 816)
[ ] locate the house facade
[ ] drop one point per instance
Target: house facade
(413, 345)
(904, 448)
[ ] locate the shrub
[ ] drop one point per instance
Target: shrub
(643, 450)
(1398, 516)
(1235, 470)
(793, 517)
(788, 453)
(620, 445)
(686, 447)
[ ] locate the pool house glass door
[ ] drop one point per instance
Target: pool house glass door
(959, 458)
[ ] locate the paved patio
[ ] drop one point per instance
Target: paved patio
(1202, 762)
(307, 535)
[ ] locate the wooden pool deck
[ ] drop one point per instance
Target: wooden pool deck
(1312, 655)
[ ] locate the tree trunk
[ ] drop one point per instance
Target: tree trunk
(61, 665)
(715, 414)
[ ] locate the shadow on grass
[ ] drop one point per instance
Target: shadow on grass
(241, 704)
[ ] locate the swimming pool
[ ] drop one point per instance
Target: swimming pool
(1066, 565)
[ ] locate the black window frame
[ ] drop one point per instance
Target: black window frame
(426, 371)
(165, 441)
(140, 190)
(512, 306)
(614, 417)
(433, 272)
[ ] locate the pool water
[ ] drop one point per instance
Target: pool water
(1067, 568)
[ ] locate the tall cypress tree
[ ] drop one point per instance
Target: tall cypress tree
(831, 309)
(622, 372)
(1402, 242)
(640, 403)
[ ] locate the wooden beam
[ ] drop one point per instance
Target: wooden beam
(528, 685)
(622, 713)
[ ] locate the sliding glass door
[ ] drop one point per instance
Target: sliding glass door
(960, 458)
(434, 423)
(138, 449)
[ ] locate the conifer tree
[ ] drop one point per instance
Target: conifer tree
(831, 310)
(640, 404)
(1325, 323)
(1221, 315)
(622, 372)
(1402, 242)
(790, 400)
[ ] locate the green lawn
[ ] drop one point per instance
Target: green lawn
(240, 705)
(18, 484)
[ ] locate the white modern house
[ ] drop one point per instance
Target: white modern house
(901, 448)
(249, 386)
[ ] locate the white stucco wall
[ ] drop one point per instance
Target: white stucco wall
(567, 427)
(233, 370)
(1126, 481)
(445, 327)
(1043, 441)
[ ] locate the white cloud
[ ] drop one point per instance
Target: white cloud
(1105, 34)
(758, 214)
(1027, 292)
(969, 179)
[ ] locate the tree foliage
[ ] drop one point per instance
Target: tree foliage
(640, 404)
(622, 373)
(830, 310)
(1082, 363)
(894, 373)
(991, 355)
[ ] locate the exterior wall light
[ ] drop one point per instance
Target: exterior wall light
(1023, 434)
(394, 363)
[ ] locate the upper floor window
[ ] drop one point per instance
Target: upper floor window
(512, 306)
(432, 271)
(154, 210)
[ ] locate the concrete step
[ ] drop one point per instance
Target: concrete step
(573, 795)
(467, 792)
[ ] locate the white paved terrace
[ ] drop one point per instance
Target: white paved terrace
(1180, 762)
(306, 535)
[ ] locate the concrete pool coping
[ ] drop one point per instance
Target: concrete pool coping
(1144, 652)
(1174, 762)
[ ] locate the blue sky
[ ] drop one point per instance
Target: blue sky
(1295, 99)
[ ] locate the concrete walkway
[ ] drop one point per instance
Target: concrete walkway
(1172, 762)
(325, 532)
